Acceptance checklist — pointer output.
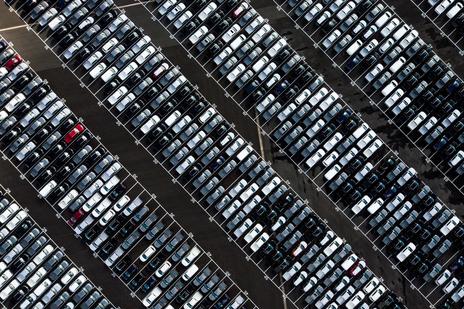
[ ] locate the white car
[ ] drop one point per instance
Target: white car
(109, 185)
(79, 281)
(355, 300)
(197, 35)
(121, 203)
(417, 121)
(49, 14)
(109, 74)
(253, 233)
(333, 246)
(312, 282)
(457, 158)
(450, 225)
(47, 189)
(377, 293)
(403, 255)
(301, 246)
(455, 10)
(193, 300)
(301, 277)
(259, 242)
(175, 11)
(98, 70)
(163, 9)
(148, 126)
(292, 271)
(182, 19)
(456, 297)
(107, 217)
(443, 278)
(439, 9)
(359, 206)
(71, 50)
(147, 253)
(371, 285)
(128, 70)
(451, 286)
(243, 227)
(349, 261)
(9, 289)
(92, 60)
(372, 209)
(328, 42)
(56, 22)
(190, 272)
(117, 95)
(151, 297)
(316, 157)
(191, 256)
(207, 11)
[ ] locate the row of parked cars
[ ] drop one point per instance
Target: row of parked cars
(396, 68)
(448, 15)
(310, 122)
(34, 271)
(202, 151)
(101, 201)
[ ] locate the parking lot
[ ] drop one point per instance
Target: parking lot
(119, 141)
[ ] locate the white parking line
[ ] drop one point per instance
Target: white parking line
(13, 28)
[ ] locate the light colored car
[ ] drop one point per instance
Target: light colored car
(151, 297)
(109, 185)
(413, 124)
(190, 272)
(458, 157)
(316, 157)
(191, 256)
(78, 282)
(71, 50)
(197, 35)
(109, 74)
(403, 254)
(98, 70)
(457, 296)
(193, 301)
(452, 284)
(443, 277)
(450, 225)
(377, 293)
(106, 218)
(361, 204)
(253, 233)
(147, 253)
(175, 11)
(452, 12)
(117, 95)
(47, 189)
(292, 271)
(301, 277)
(349, 261)
(355, 300)
(47, 16)
(259, 242)
(166, 6)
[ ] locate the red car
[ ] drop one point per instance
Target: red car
(10, 64)
(77, 216)
(78, 129)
